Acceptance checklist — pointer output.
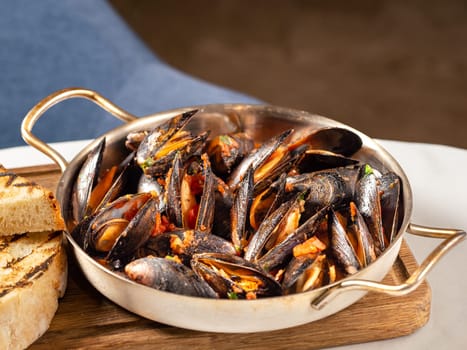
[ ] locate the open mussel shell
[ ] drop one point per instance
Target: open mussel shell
(103, 228)
(227, 150)
(220, 315)
(315, 160)
(334, 139)
(85, 182)
(306, 273)
(234, 277)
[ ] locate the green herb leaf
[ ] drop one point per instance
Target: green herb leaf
(148, 162)
(225, 139)
(368, 169)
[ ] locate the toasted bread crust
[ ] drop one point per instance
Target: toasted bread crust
(26, 206)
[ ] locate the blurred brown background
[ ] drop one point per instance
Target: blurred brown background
(393, 69)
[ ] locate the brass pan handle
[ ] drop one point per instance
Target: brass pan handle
(451, 238)
(40, 108)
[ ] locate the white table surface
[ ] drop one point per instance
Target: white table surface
(438, 177)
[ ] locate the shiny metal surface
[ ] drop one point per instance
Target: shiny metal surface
(262, 122)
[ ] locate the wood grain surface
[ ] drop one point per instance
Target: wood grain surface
(86, 319)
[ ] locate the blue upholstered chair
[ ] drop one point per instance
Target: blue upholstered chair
(49, 45)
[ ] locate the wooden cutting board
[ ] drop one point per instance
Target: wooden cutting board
(86, 319)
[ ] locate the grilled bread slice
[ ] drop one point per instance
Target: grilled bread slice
(33, 271)
(33, 265)
(26, 206)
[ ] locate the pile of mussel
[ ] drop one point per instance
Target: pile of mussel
(224, 216)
